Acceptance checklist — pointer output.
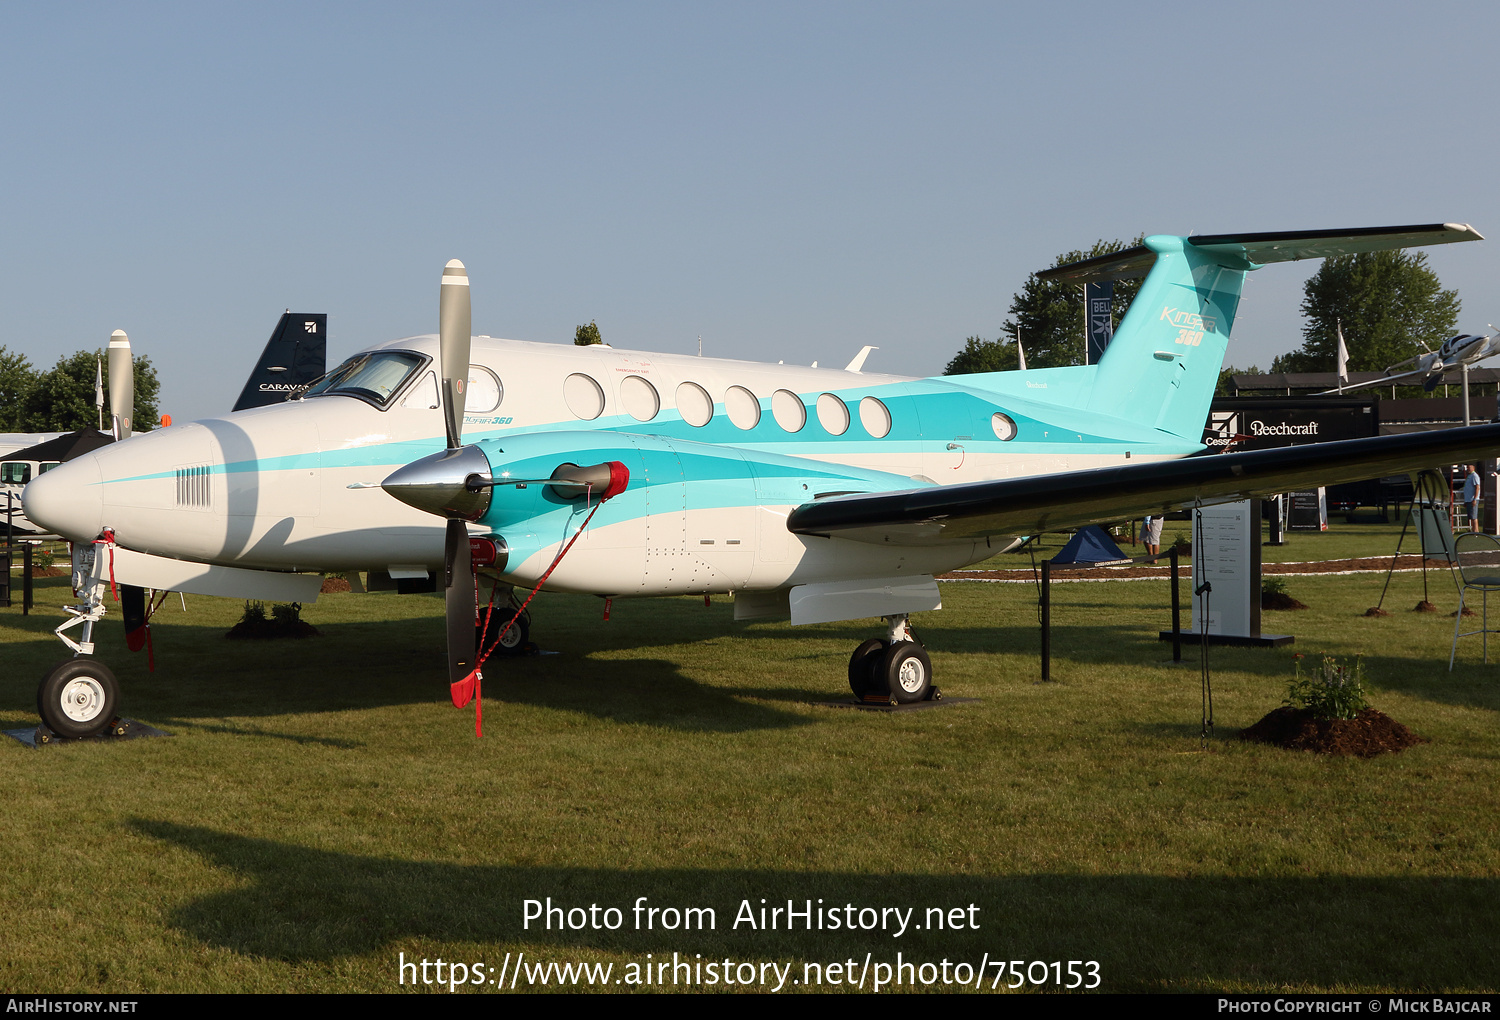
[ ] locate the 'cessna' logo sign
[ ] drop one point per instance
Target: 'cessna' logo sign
(1260, 428)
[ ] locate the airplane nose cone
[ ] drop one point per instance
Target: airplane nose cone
(438, 484)
(68, 500)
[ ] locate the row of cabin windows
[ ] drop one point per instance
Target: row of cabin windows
(640, 399)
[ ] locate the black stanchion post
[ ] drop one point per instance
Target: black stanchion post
(26, 580)
(9, 548)
(1046, 619)
(1176, 613)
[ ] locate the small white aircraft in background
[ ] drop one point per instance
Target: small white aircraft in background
(818, 494)
(1452, 354)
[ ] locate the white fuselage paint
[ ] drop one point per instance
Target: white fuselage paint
(268, 487)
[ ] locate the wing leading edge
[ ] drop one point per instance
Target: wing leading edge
(1041, 503)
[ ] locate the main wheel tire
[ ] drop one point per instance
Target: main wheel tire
(515, 639)
(78, 698)
(862, 665)
(907, 672)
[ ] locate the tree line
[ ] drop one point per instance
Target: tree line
(61, 399)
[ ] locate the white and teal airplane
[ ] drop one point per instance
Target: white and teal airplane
(818, 494)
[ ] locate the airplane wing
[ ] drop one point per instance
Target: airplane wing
(1041, 503)
(1370, 384)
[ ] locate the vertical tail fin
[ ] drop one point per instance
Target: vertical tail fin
(1163, 364)
(295, 355)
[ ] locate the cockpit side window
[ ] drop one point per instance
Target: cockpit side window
(375, 378)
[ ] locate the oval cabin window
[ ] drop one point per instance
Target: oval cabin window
(639, 398)
(742, 406)
(694, 404)
(789, 411)
(875, 417)
(583, 396)
(833, 414)
(484, 393)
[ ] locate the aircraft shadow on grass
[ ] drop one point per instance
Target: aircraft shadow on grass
(1195, 933)
(352, 666)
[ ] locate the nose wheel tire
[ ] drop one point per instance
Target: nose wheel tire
(907, 672)
(78, 698)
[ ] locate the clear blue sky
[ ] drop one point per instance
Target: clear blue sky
(791, 181)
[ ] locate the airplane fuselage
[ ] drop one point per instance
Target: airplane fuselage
(270, 488)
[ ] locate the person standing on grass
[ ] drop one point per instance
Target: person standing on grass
(1151, 535)
(1471, 497)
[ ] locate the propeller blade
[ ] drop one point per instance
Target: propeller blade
(458, 584)
(454, 326)
(121, 384)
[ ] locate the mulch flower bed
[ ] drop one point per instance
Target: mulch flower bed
(1279, 600)
(1366, 735)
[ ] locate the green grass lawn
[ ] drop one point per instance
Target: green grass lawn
(323, 808)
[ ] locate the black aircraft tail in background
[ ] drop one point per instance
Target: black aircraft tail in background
(295, 355)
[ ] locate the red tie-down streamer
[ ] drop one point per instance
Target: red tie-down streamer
(469, 688)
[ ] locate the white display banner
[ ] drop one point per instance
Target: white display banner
(1225, 540)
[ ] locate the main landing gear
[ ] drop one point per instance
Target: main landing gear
(895, 670)
(499, 614)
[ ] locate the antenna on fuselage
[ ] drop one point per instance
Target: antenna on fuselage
(858, 362)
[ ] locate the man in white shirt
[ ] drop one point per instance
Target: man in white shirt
(1471, 497)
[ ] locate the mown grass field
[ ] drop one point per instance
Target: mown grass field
(322, 807)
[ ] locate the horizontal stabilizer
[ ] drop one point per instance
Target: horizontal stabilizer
(1260, 249)
(1042, 503)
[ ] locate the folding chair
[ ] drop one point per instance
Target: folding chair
(1477, 557)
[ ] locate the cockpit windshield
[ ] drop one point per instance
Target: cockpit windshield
(375, 377)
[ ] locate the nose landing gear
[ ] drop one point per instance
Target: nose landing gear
(895, 670)
(79, 697)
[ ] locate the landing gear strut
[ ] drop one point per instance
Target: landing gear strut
(895, 670)
(79, 698)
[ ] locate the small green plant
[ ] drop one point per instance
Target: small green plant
(286, 613)
(1273, 586)
(1182, 545)
(45, 558)
(255, 612)
(1334, 691)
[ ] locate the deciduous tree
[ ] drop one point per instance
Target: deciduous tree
(1050, 317)
(62, 400)
(1388, 302)
(17, 377)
